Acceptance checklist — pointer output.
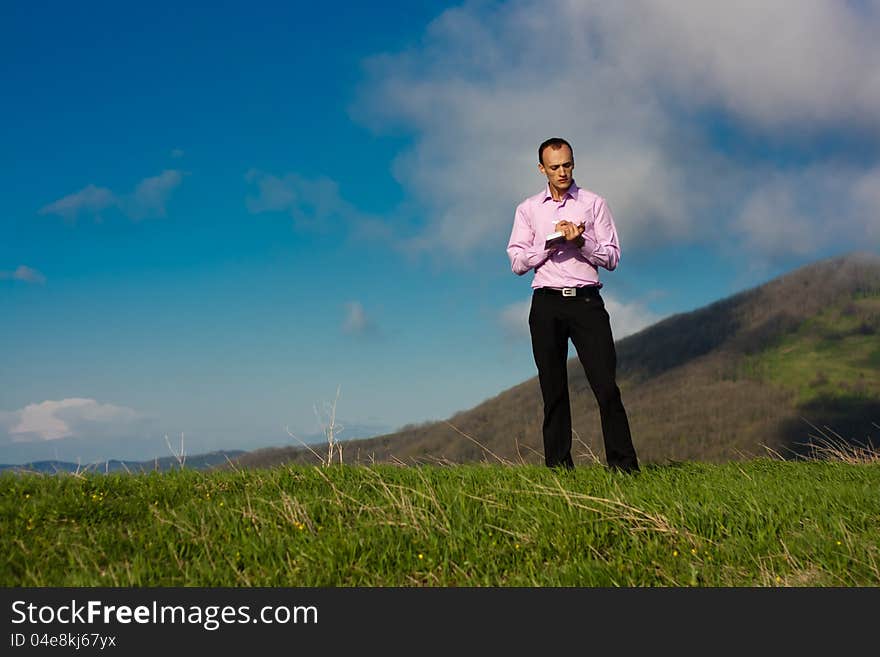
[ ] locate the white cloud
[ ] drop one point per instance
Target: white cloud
(356, 321)
(628, 83)
(151, 195)
(771, 63)
(809, 210)
(148, 199)
(275, 194)
(514, 319)
(67, 418)
(314, 204)
(626, 318)
(90, 199)
(24, 273)
(865, 190)
(309, 201)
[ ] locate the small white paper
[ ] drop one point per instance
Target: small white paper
(553, 239)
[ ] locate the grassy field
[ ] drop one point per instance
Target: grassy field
(764, 522)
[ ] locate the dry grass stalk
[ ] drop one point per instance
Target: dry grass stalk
(401, 498)
(179, 454)
(306, 445)
(327, 419)
(589, 453)
(831, 446)
(331, 429)
(485, 449)
(611, 509)
(294, 512)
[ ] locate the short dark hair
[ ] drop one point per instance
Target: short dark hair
(555, 143)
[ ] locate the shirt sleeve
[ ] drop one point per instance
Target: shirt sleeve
(601, 246)
(524, 254)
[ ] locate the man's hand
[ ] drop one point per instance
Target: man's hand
(572, 232)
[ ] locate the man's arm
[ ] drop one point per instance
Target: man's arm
(601, 248)
(524, 254)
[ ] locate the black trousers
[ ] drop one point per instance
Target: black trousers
(552, 321)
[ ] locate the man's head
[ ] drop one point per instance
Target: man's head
(556, 161)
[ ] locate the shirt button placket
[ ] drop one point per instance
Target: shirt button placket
(559, 250)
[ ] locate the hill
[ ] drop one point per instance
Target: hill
(195, 462)
(778, 367)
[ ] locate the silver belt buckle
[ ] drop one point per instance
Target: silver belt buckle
(569, 291)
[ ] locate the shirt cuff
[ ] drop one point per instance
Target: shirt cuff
(589, 247)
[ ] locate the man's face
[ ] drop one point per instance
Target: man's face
(558, 166)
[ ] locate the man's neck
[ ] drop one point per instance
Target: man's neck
(557, 194)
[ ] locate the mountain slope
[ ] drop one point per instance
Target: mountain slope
(205, 461)
(751, 372)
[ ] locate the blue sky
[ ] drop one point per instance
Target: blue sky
(214, 217)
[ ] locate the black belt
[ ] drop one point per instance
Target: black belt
(586, 291)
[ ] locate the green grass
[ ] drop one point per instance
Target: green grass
(758, 523)
(834, 354)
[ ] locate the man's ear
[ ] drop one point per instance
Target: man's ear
(541, 168)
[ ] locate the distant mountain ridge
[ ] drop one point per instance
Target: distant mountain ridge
(195, 462)
(776, 367)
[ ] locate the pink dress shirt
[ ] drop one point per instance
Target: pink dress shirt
(563, 264)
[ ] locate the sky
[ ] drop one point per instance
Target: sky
(220, 221)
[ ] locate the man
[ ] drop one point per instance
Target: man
(566, 302)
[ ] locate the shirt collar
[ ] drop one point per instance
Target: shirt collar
(571, 192)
